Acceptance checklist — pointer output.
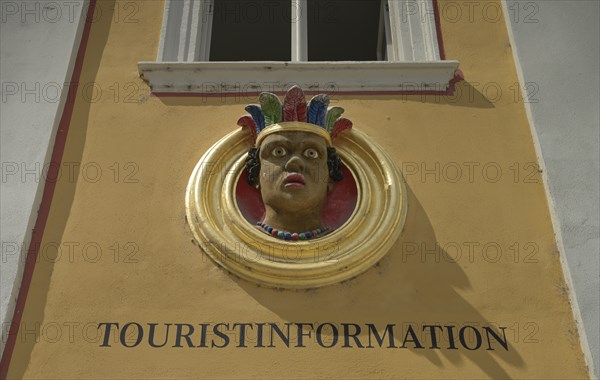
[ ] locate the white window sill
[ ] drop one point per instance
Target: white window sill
(237, 77)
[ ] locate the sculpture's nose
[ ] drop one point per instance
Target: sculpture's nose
(294, 164)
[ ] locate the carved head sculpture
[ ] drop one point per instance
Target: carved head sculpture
(293, 162)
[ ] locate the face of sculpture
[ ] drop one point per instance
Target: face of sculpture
(294, 177)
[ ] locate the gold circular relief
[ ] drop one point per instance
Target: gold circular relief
(227, 236)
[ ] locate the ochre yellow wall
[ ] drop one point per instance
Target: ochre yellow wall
(172, 282)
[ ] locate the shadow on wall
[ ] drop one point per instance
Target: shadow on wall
(62, 199)
(399, 290)
(464, 95)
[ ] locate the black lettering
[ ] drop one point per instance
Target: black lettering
(413, 339)
(203, 333)
(186, 336)
(463, 340)
(502, 341)
(389, 331)
(433, 335)
(302, 334)
(220, 335)
(107, 332)
(151, 335)
(451, 337)
(242, 326)
(123, 335)
(284, 338)
(334, 331)
(259, 335)
(354, 336)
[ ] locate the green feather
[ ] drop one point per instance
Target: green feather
(333, 113)
(271, 107)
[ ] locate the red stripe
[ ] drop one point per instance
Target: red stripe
(49, 186)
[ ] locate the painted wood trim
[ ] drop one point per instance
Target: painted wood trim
(186, 31)
(413, 31)
(235, 77)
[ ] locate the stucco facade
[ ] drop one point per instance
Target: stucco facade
(478, 247)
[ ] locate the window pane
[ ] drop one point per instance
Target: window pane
(343, 30)
(257, 30)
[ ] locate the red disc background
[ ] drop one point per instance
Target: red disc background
(339, 205)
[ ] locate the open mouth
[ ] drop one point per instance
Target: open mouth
(293, 181)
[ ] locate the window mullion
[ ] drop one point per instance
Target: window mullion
(385, 53)
(392, 26)
(193, 52)
(184, 31)
(299, 30)
(207, 12)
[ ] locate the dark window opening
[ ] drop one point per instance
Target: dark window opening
(350, 30)
(258, 30)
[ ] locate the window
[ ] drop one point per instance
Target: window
(256, 30)
(345, 30)
(353, 45)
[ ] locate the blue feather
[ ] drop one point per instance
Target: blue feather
(257, 114)
(317, 108)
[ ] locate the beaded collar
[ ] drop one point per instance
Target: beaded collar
(293, 236)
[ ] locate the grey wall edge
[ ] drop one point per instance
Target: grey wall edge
(67, 39)
(564, 121)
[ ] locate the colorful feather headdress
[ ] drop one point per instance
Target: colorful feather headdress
(271, 116)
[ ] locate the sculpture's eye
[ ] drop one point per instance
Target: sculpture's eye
(311, 153)
(279, 151)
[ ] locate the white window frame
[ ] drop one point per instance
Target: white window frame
(412, 51)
